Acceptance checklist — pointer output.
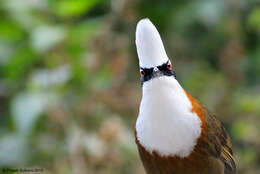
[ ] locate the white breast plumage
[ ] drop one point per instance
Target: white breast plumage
(166, 123)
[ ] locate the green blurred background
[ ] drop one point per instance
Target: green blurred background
(69, 78)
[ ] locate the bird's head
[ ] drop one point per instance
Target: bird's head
(153, 59)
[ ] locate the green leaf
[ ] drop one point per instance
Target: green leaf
(254, 19)
(20, 64)
(72, 8)
(10, 31)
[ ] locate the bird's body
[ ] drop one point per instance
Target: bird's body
(175, 134)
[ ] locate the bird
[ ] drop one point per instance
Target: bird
(174, 132)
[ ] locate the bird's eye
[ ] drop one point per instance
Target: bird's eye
(169, 65)
(142, 72)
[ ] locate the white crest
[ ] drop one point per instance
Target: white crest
(149, 45)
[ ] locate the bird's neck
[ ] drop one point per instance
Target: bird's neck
(166, 123)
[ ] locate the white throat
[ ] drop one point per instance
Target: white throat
(165, 123)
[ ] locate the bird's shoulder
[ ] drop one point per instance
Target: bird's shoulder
(216, 139)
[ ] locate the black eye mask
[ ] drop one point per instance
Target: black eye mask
(163, 70)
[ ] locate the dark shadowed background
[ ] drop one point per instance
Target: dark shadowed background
(69, 78)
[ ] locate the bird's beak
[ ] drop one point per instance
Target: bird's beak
(155, 69)
(157, 72)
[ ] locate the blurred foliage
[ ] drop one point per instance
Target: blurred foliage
(69, 78)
